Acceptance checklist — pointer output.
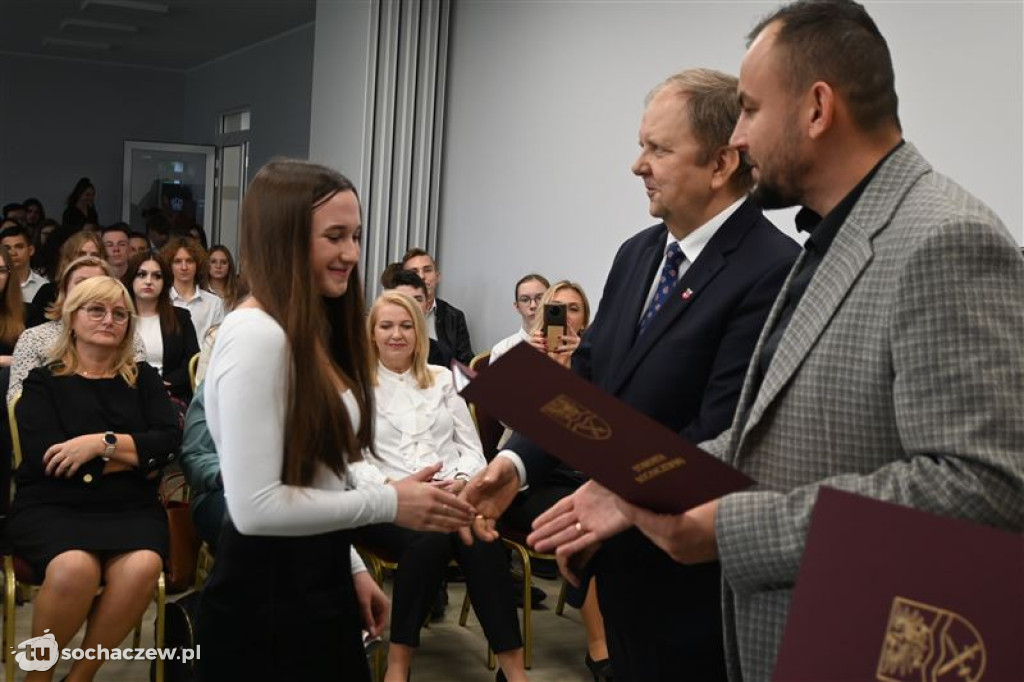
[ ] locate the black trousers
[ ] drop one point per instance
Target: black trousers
(663, 620)
(422, 558)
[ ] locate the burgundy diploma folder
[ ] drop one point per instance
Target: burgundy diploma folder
(894, 594)
(593, 432)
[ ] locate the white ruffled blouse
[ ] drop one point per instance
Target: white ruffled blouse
(417, 427)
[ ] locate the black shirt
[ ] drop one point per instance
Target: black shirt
(822, 233)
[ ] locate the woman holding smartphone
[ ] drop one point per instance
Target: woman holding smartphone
(289, 404)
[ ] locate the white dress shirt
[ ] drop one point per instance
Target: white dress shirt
(207, 309)
(30, 287)
(509, 342)
(417, 427)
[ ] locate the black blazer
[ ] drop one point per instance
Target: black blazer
(452, 332)
(687, 368)
(685, 371)
(178, 350)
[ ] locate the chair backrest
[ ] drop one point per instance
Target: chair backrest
(12, 419)
(193, 363)
(487, 426)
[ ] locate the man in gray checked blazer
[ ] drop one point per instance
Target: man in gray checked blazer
(892, 363)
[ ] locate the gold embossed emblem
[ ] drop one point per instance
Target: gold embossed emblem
(577, 418)
(925, 643)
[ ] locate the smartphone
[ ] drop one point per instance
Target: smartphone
(554, 324)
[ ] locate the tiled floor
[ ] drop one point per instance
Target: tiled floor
(448, 652)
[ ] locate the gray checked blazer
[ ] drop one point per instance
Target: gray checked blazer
(899, 377)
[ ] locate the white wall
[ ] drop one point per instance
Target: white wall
(63, 119)
(544, 100)
(341, 125)
(273, 79)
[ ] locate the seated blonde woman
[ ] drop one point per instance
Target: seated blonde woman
(35, 343)
(421, 420)
(577, 317)
(95, 430)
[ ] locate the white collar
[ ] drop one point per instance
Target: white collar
(692, 244)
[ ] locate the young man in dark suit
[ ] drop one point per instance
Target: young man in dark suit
(446, 323)
(682, 308)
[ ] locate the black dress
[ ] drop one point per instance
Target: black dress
(107, 514)
(281, 608)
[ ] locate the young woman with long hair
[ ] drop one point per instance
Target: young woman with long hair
(188, 265)
(167, 330)
(289, 403)
(82, 243)
(221, 276)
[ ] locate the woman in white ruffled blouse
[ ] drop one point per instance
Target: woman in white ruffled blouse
(421, 420)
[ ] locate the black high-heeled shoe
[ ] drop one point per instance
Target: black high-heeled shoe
(601, 670)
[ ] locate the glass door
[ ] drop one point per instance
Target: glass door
(174, 179)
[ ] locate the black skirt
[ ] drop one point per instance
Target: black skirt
(281, 608)
(39, 532)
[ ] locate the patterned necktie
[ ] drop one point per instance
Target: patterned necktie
(669, 276)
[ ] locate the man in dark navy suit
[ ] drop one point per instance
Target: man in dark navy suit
(682, 309)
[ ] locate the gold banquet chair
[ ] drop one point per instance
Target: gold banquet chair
(17, 573)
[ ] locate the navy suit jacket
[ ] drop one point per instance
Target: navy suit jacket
(687, 368)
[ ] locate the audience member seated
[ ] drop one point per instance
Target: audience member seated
(529, 291)
(14, 211)
(44, 260)
(158, 229)
(34, 345)
(18, 241)
(577, 317)
(81, 206)
(536, 499)
(115, 239)
(82, 243)
(420, 419)
(167, 331)
(188, 265)
(201, 467)
(137, 243)
(35, 215)
(445, 322)
(13, 311)
(222, 278)
(409, 283)
(95, 429)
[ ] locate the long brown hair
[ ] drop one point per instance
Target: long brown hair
(164, 307)
(12, 315)
(277, 224)
(233, 289)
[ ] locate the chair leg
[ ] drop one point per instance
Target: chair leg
(562, 594)
(9, 605)
(161, 603)
(527, 604)
(464, 614)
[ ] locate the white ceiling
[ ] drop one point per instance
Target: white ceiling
(188, 34)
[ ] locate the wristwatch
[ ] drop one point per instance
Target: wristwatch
(109, 443)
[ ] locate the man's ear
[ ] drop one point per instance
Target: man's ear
(726, 160)
(821, 103)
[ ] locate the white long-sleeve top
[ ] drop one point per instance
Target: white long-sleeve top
(245, 409)
(417, 427)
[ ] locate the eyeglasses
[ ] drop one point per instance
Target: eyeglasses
(98, 313)
(527, 300)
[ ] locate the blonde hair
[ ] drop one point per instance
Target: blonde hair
(549, 296)
(64, 354)
(420, 351)
(53, 311)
